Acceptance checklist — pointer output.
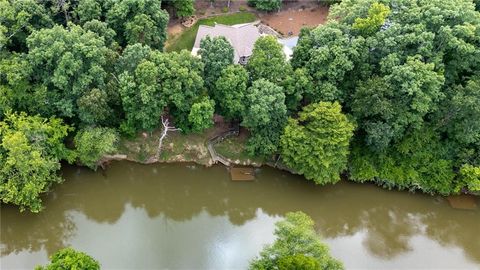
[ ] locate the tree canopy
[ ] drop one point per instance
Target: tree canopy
(297, 246)
(68, 258)
(216, 54)
(31, 148)
(265, 116)
(316, 143)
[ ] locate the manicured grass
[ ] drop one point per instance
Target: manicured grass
(187, 38)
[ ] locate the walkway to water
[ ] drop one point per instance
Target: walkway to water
(216, 157)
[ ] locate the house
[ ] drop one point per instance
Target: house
(242, 37)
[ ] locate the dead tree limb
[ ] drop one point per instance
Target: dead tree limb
(166, 129)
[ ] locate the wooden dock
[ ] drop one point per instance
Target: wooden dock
(242, 174)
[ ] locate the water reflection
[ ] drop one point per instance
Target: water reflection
(176, 196)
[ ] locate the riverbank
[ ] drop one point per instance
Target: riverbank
(193, 148)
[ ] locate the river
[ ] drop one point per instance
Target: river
(184, 216)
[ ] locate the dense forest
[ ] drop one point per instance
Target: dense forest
(386, 91)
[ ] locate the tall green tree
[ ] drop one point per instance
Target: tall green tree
(267, 60)
(181, 8)
(386, 107)
(31, 148)
(68, 258)
(216, 54)
(69, 62)
(316, 144)
(265, 116)
(141, 97)
(18, 20)
(138, 21)
(230, 91)
(201, 115)
(297, 246)
(91, 144)
(87, 10)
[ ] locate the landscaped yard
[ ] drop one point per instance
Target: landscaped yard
(186, 39)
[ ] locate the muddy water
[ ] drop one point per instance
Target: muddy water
(189, 217)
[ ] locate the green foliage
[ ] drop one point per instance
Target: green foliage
(181, 82)
(388, 106)
(470, 177)
(69, 62)
(266, 5)
(297, 262)
(70, 259)
(461, 113)
(91, 144)
(18, 20)
(267, 60)
(377, 14)
(141, 97)
(401, 68)
(184, 8)
(16, 92)
(138, 21)
(265, 116)
(88, 10)
(151, 81)
(230, 91)
(216, 54)
(316, 144)
(296, 85)
(30, 150)
(419, 161)
(201, 115)
(297, 247)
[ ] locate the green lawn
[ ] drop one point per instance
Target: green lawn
(186, 39)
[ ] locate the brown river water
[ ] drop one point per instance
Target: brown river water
(184, 216)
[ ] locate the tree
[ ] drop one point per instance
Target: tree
(297, 84)
(182, 8)
(265, 116)
(216, 54)
(30, 150)
(181, 83)
(230, 91)
(17, 93)
(470, 177)
(87, 10)
(69, 62)
(420, 161)
(387, 107)
(316, 144)
(91, 144)
(138, 21)
(267, 61)
(297, 245)
(377, 14)
(141, 97)
(18, 20)
(68, 258)
(266, 5)
(201, 115)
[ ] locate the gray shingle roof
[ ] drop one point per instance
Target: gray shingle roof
(242, 37)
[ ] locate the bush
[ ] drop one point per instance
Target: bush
(70, 259)
(225, 9)
(93, 143)
(242, 8)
